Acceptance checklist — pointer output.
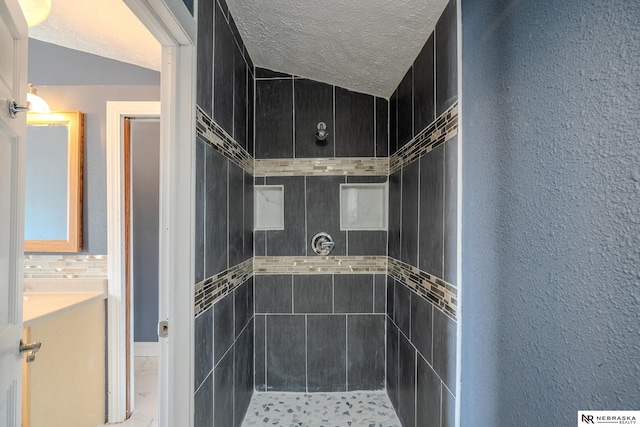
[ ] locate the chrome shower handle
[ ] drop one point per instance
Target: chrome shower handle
(322, 243)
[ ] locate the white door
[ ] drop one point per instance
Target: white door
(13, 85)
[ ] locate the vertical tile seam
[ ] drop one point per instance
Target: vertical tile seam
(266, 360)
(306, 353)
(400, 219)
(375, 127)
(233, 92)
(418, 218)
(413, 107)
(334, 121)
(346, 350)
(213, 57)
(415, 387)
(306, 214)
(293, 114)
(228, 208)
(444, 204)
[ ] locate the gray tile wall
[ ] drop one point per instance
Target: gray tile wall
(223, 365)
(224, 221)
(319, 332)
(312, 205)
(288, 109)
(420, 359)
(421, 339)
(414, 104)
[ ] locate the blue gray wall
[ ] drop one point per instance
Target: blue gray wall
(54, 65)
(551, 210)
(70, 80)
(145, 227)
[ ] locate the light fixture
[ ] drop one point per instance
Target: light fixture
(35, 11)
(36, 104)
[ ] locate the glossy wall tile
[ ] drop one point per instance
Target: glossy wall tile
(289, 108)
(331, 322)
(224, 353)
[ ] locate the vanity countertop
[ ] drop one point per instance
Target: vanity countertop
(44, 298)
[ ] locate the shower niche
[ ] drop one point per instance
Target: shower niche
(363, 206)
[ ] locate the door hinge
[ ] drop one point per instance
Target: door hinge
(163, 329)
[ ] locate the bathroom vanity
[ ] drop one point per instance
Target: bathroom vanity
(65, 384)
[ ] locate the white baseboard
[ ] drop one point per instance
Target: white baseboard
(145, 349)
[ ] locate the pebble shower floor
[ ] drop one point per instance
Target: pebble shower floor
(357, 409)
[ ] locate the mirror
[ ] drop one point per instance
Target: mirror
(53, 193)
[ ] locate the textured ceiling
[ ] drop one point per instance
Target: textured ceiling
(363, 45)
(102, 27)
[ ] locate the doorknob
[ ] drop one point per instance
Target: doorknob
(15, 108)
(31, 349)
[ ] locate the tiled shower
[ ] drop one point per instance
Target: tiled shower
(378, 313)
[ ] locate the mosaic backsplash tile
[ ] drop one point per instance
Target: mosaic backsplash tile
(442, 294)
(65, 266)
(352, 166)
(441, 130)
(320, 265)
(213, 134)
(216, 287)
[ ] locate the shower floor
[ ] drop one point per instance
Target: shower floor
(357, 409)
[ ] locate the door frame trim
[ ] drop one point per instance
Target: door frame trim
(116, 240)
(175, 28)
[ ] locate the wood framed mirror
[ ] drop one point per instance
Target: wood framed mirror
(53, 190)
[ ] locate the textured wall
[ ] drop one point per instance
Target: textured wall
(551, 210)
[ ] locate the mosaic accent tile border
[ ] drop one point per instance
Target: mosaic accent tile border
(352, 166)
(441, 130)
(320, 265)
(213, 134)
(437, 291)
(216, 287)
(65, 266)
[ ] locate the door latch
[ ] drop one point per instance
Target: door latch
(163, 329)
(31, 349)
(15, 108)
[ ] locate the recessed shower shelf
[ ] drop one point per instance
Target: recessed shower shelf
(269, 207)
(363, 206)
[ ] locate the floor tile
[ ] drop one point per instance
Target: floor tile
(145, 381)
(366, 409)
(146, 404)
(141, 364)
